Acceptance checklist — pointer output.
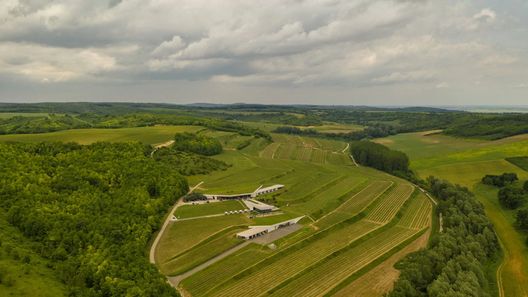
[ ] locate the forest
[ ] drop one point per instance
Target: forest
(455, 262)
(91, 210)
(199, 144)
(380, 157)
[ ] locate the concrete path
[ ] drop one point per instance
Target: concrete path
(152, 254)
(175, 280)
(263, 240)
(157, 147)
(346, 148)
(200, 217)
(353, 160)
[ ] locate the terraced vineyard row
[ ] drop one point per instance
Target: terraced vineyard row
(201, 253)
(201, 282)
(419, 214)
(293, 262)
(389, 206)
(355, 204)
(306, 149)
(325, 276)
(269, 151)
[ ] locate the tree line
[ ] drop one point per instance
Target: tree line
(380, 157)
(374, 131)
(455, 262)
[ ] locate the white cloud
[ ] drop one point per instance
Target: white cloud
(50, 64)
(352, 44)
(442, 85)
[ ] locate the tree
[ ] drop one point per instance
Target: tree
(511, 197)
(525, 186)
(500, 180)
(453, 264)
(379, 156)
(203, 145)
(522, 218)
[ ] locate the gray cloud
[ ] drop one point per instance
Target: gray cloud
(390, 51)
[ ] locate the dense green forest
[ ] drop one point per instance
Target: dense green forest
(194, 143)
(188, 163)
(380, 157)
(454, 264)
(490, 126)
(91, 210)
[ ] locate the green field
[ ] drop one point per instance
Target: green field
(189, 210)
(148, 135)
(465, 162)
(7, 115)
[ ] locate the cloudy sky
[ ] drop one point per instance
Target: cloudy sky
(394, 52)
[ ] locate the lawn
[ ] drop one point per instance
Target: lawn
(189, 210)
(148, 135)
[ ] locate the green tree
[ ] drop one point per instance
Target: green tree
(511, 197)
(522, 218)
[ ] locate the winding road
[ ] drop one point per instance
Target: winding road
(152, 254)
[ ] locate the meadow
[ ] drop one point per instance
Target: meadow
(148, 135)
(190, 211)
(7, 115)
(465, 162)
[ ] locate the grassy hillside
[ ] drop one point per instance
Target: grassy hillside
(465, 162)
(22, 271)
(149, 135)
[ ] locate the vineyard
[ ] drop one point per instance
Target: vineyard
(306, 149)
(355, 218)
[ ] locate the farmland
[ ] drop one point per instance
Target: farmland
(465, 162)
(355, 217)
(348, 205)
(351, 210)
